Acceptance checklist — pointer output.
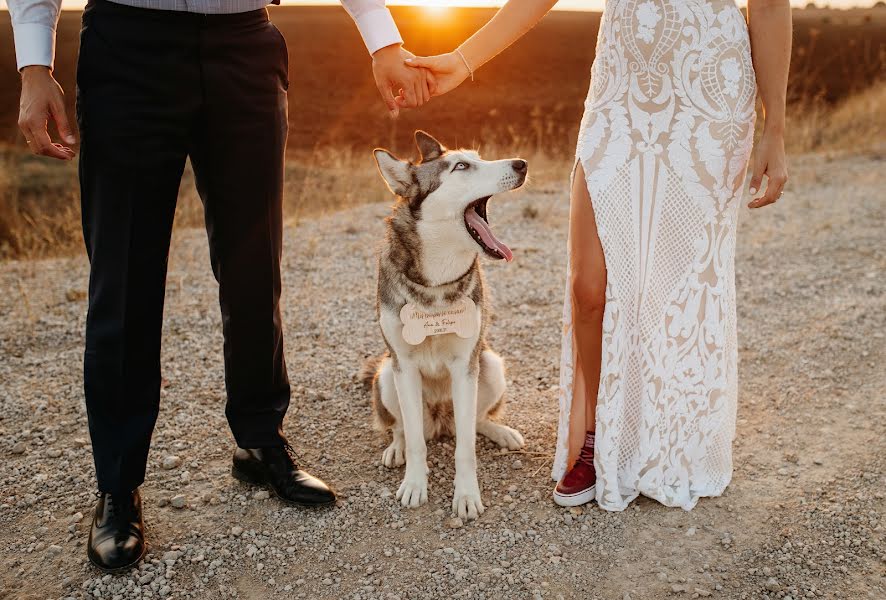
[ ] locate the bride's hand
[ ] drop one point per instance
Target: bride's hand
(448, 70)
(769, 160)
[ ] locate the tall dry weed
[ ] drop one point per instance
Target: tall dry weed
(858, 123)
(39, 210)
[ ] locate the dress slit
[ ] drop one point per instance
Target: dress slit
(577, 415)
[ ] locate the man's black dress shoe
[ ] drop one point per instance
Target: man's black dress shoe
(276, 469)
(117, 536)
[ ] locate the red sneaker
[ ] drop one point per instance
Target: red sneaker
(578, 486)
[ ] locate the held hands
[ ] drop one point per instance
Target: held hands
(42, 100)
(399, 85)
(769, 160)
(448, 70)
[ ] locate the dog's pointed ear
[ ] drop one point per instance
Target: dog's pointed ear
(428, 147)
(395, 172)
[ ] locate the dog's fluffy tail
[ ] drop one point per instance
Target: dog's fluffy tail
(370, 369)
(382, 418)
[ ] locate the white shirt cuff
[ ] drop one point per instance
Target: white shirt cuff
(378, 29)
(34, 44)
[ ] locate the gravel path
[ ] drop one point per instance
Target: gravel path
(802, 518)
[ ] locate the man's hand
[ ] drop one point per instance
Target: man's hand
(43, 99)
(398, 84)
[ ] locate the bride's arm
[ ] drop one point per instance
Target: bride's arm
(769, 25)
(508, 25)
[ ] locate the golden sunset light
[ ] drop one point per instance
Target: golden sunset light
(442, 299)
(438, 7)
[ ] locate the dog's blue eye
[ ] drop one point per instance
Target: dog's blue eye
(460, 166)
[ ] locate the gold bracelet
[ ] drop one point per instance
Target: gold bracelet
(464, 60)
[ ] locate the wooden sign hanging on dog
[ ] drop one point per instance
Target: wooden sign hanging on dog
(459, 318)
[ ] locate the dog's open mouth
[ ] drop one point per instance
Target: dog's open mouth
(478, 226)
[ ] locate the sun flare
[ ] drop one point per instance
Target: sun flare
(434, 8)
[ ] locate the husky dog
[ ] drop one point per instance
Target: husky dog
(430, 260)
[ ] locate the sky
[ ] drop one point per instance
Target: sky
(562, 4)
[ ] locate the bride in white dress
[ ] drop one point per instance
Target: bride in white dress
(648, 377)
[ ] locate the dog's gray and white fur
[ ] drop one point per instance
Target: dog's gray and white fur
(430, 257)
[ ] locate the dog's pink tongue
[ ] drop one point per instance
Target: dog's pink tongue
(482, 227)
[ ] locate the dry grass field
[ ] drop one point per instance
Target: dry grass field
(532, 93)
(527, 101)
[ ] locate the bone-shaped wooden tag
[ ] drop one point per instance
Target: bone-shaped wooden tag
(459, 318)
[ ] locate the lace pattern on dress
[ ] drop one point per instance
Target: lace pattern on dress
(664, 142)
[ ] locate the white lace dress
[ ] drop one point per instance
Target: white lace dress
(664, 143)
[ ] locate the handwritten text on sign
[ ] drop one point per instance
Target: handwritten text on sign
(459, 318)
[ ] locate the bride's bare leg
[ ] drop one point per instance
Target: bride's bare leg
(588, 285)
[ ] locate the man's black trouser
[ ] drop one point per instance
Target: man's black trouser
(154, 88)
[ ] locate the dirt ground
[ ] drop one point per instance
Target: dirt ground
(801, 519)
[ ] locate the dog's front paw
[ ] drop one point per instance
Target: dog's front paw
(413, 491)
(394, 456)
(504, 436)
(466, 503)
(510, 438)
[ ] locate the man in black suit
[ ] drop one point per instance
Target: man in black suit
(158, 82)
